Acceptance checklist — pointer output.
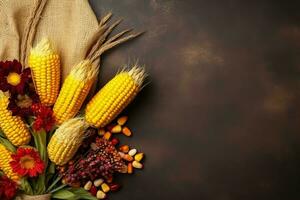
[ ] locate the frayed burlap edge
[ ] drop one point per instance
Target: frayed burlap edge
(34, 197)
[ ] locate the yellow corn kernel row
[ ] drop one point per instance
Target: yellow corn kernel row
(74, 91)
(114, 97)
(66, 141)
(5, 159)
(13, 127)
(45, 65)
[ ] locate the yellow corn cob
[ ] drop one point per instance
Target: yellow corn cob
(114, 97)
(74, 91)
(5, 159)
(13, 127)
(66, 141)
(45, 66)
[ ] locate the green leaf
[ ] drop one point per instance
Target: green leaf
(51, 168)
(50, 172)
(25, 186)
(82, 194)
(41, 187)
(73, 194)
(40, 140)
(2, 134)
(63, 194)
(7, 144)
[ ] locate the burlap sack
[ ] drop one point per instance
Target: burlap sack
(35, 197)
(70, 24)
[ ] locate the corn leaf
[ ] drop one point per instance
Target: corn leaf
(25, 186)
(73, 194)
(63, 194)
(7, 144)
(40, 140)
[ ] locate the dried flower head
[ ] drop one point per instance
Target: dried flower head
(102, 160)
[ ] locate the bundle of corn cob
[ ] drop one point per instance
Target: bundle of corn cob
(102, 109)
(13, 127)
(74, 91)
(5, 159)
(45, 65)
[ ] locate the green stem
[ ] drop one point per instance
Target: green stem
(53, 184)
(58, 188)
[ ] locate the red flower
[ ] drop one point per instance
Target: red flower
(20, 85)
(13, 78)
(8, 188)
(27, 161)
(44, 117)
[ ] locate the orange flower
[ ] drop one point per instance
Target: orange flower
(27, 161)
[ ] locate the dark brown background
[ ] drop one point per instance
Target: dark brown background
(220, 117)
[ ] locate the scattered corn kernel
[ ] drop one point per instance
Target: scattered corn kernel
(128, 158)
(107, 135)
(122, 120)
(132, 152)
(100, 195)
(101, 131)
(137, 164)
(116, 129)
(124, 148)
(129, 168)
(88, 185)
(105, 187)
(126, 131)
(109, 179)
(114, 187)
(121, 154)
(98, 182)
(93, 190)
(115, 141)
(138, 157)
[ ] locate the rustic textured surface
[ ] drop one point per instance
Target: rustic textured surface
(220, 117)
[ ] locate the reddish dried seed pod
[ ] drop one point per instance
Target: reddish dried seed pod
(110, 127)
(115, 141)
(93, 190)
(114, 187)
(109, 179)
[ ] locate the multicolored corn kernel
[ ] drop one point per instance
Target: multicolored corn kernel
(137, 165)
(138, 157)
(124, 148)
(126, 131)
(105, 188)
(122, 120)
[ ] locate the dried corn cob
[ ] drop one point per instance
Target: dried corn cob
(74, 91)
(114, 97)
(5, 159)
(66, 141)
(45, 65)
(13, 126)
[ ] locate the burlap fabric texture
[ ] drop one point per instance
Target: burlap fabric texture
(71, 25)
